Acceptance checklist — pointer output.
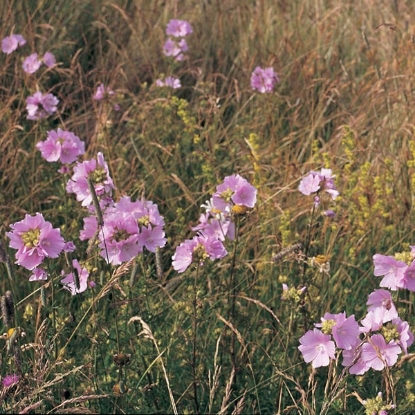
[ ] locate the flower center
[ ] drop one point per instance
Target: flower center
(31, 238)
(390, 332)
(327, 326)
(120, 235)
(199, 253)
(99, 175)
(144, 221)
(226, 195)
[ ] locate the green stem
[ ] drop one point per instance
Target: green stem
(194, 354)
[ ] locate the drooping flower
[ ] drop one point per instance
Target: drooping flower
(178, 28)
(10, 43)
(317, 347)
(78, 283)
(96, 170)
(61, 145)
(31, 63)
(263, 80)
(35, 239)
(197, 249)
(41, 105)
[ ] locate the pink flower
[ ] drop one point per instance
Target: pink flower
(373, 320)
(49, 59)
(173, 48)
(235, 190)
(376, 353)
(103, 92)
(41, 105)
(151, 238)
(97, 171)
(317, 348)
(38, 274)
(10, 43)
(31, 64)
(406, 338)
(197, 249)
(382, 299)
(309, 184)
(69, 247)
(315, 182)
(61, 145)
(263, 80)
(345, 331)
(35, 239)
(408, 281)
(169, 81)
(392, 270)
(121, 238)
(10, 380)
(79, 284)
(178, 28)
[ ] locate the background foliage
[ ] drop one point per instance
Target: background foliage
(345, 102)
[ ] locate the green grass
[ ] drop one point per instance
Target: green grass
(222, 340)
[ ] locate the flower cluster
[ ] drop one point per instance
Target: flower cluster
(61, 145)
(128, 227)
(264, 80)
(10, 43)
(169, 81)
(175, 44)
(398, 271)
(32, 62)
(376, 406)
(235, 196)
(385, 335)
(41, 105)
(95, 170)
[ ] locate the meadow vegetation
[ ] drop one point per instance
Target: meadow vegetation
(221, 337)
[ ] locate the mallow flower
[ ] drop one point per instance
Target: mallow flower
(178, 28)
(61, 145)
(235, 195)
(317, 348)
(96, 170)
(10, 43)
(76, 281)
(41, 105)
(263, 80)
(197, 250)
(35, 239)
